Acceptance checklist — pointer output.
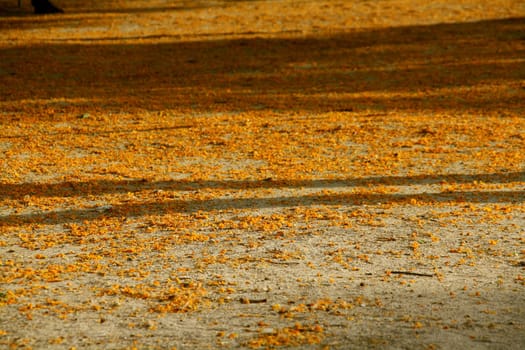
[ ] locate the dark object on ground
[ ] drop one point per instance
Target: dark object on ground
(45, 6)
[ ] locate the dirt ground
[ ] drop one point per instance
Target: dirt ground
(296, 174)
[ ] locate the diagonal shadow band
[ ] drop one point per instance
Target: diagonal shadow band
(219, 204)
(371, 69)
(98, 187)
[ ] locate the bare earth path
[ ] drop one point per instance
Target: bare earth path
(263, 175)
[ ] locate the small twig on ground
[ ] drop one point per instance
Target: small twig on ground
(412, 273)
(253, 301)
(283, 262)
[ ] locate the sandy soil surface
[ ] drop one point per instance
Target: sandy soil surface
(263, 175)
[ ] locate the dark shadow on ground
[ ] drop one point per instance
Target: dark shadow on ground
(101, 187)
(190, 206)
(432, 67)
(24, 13)
(222, 204)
